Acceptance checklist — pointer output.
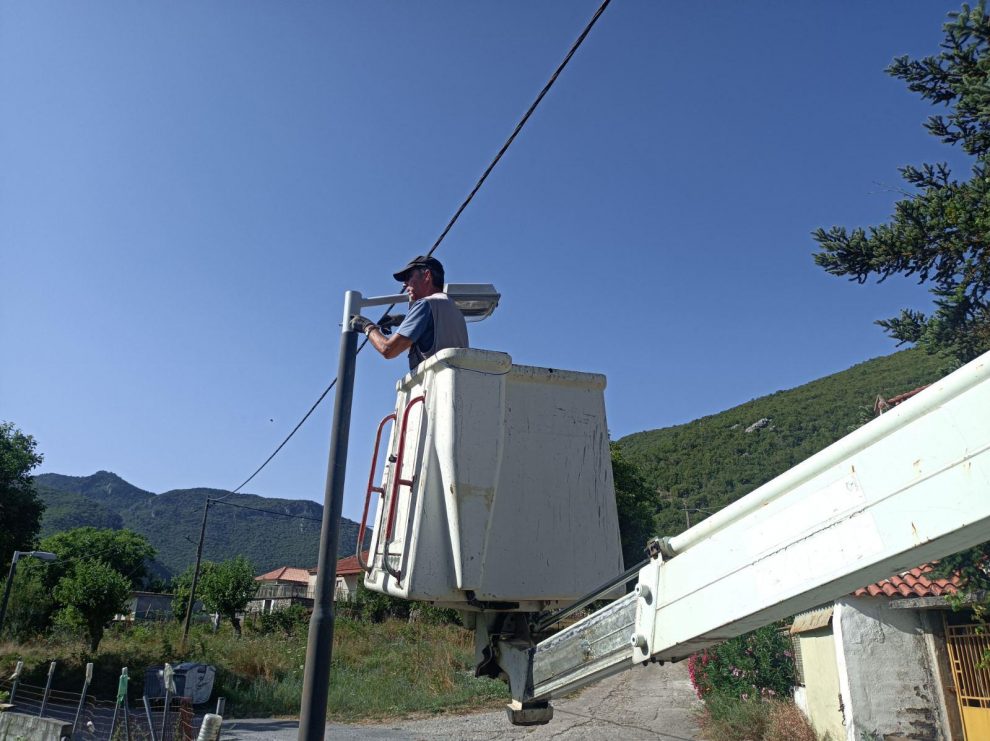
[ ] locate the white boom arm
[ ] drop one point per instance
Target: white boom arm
(909, 487)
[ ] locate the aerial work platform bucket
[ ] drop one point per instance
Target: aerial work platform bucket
(496, 492)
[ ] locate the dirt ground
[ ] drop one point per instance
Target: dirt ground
(652, 702)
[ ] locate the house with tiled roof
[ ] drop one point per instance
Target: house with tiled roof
(893, 660)
(348, 573)
(280, 588)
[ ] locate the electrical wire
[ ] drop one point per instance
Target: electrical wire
(289, 437)
(456, 216)
(267, 511)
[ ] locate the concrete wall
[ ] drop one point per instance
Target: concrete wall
(888, 683)
(345, 588)
(19, 726)
(821, 699)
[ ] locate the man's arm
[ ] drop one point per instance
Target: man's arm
(391, 346)
(402, 339)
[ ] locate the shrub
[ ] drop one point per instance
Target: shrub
(727, 717)
(757, 719)
(374, 606)
(289, 620)
(787, 723)
(755, 665)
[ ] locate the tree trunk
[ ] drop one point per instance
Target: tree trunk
(235, 621)
(95, 636)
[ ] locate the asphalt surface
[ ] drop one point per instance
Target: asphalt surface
(652, 702)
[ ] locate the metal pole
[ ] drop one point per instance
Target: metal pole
(48, 689)
(17, 680)
(82, 698)
(121, 698)
(195, 579)
(127, 721)
(151, 722)
(319, 648)
(6, 589)
(169, 680)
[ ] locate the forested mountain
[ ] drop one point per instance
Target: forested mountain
(699, 467)
(694, 469)
(171, 521)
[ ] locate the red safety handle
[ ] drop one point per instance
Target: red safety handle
(397, 481)
(371, 488)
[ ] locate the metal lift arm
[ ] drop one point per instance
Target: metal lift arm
(910, 487)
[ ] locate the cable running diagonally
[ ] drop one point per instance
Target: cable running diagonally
(455, 217)
(266, 511)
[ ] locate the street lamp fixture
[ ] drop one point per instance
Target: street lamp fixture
(476, 302)
(41, 555)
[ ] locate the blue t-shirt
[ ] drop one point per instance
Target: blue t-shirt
(418, 325)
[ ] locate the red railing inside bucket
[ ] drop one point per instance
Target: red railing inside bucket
(393, 499)
(371, 488)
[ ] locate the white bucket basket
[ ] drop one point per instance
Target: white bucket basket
(497, 490)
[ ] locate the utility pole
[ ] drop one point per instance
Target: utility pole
(195, 579)
(319, 647)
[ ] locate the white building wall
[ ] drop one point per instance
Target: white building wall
(887, 681)
(346, 588)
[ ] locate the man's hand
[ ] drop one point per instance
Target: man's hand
(362, 324)
(390, 322)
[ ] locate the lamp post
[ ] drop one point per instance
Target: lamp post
(42, 555)
(476, 302)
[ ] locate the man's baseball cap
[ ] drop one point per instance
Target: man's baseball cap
(422, 261)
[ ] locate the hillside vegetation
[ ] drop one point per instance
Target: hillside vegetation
(699, 467)
(706, 464)
(171, 521)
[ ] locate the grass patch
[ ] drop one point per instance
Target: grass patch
(725, 717)
(379, 670)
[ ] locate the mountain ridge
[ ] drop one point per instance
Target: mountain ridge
(286, 534)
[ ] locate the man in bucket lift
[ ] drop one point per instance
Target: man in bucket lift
(433, 323)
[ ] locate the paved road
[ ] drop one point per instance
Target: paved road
(652, 702)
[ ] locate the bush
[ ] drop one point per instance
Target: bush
(289, 620)
(757, 719)
(374, 606)
(756, 665)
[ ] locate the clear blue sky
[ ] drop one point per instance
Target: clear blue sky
(188, 188)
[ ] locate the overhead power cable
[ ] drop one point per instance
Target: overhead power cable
(443, 234)
(267, 511)
(454, 218)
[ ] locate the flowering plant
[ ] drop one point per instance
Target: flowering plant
(755, 665)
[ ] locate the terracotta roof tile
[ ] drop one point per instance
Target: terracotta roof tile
(286, 573)
(912, 583)
(350, 565)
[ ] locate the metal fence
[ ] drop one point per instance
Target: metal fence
(92, 718)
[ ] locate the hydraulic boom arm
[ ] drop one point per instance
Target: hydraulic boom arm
(909, 487)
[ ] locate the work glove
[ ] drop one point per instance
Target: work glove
(361, 324)
(389, 322)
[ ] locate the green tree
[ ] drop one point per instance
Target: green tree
(92, 592)
(940, 232)
(123, 550)
(31, 605)
(637, 505)
(227, 587)
(179, 589)
(20, 507)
